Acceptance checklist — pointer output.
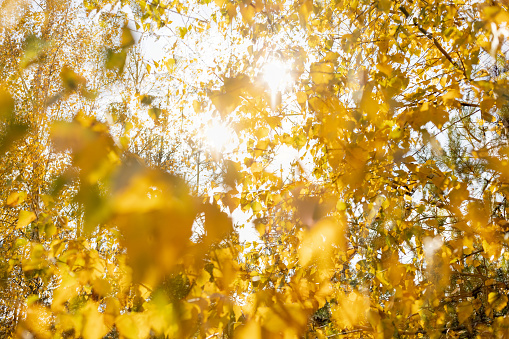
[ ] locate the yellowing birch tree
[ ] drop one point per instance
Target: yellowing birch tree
(368, 150)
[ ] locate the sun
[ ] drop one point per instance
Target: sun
(276, 74)
(218, 134)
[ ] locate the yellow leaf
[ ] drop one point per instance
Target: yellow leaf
(498, 301)
(375, 320)
(71, 79)
(301, 98)
(251, 330)
(256, 167)
(451, 96)
(341, 206)
(319, 242)
(271, 320)
(256, 206)
(351, 310)
(305, 9)
(25, 218)
(38, 321)
(93, 327)
(154, 113)
(237, 310)
(197, 106)
(170, 64)
(385, 68)
(217, 223)
(127, 39)
(220, 3)
(465, 310)
(322, 72)
(127, 327)
(115, 60)
(385, 5)
(6, 104)
(230, 95)
(248, 11)
(112, 307)
(496, 14)
(16, 198)
(67, 289)
(101, 287)
(492, 297)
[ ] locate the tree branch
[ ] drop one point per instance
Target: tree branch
(432, 38)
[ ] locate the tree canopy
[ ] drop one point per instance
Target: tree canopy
(366, 142)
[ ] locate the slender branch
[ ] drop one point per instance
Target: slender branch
(174, 11)
(432, 38)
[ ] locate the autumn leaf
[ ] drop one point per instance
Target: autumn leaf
(16, 198)
(25, 218)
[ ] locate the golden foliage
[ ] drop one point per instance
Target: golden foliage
(390, 220)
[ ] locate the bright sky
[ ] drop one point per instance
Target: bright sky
(217, 135)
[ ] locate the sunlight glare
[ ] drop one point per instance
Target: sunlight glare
(218, 135)
(277, 75)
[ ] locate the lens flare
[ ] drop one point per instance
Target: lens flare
(218, 135)
(277, 75)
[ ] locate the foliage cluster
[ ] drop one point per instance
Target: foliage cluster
(116, 218)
